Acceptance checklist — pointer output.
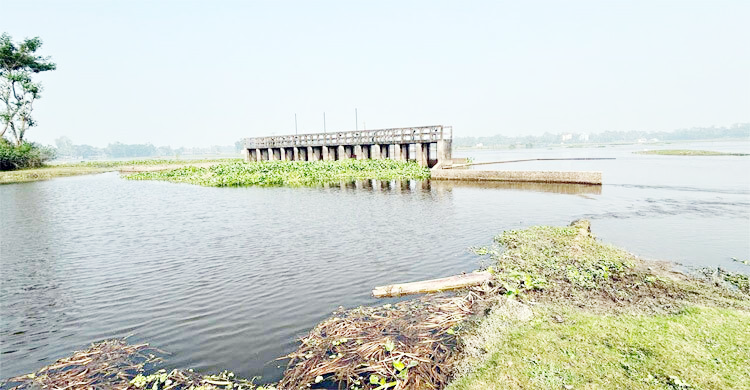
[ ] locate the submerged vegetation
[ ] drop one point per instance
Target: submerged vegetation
(687, 152)
(289, 173)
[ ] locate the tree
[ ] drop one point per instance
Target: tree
(64, 145)
(18, 91)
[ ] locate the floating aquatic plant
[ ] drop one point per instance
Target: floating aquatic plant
(288, 173)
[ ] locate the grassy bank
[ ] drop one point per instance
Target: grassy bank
(92, 167)
(686, 152)
(48, 172)
(566, 347)
(289, 173)
(603, 318)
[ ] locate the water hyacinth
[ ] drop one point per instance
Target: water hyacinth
(289, 173)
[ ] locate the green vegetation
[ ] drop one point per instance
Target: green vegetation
(289, 173)
(18, 62)
(86, 168)
(46, 173)
(565, 347)
(25, 155)
(545, 257)
(603, 318)
(686, 152)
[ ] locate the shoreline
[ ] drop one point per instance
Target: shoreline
(91, 168)
(586, 296)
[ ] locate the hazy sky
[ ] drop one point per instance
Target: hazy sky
(204, 73)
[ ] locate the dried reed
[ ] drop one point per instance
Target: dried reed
(409, 345)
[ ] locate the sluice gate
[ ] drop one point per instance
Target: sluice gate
(429, 146)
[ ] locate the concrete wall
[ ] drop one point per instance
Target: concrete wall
(422, 153)
(518, 176)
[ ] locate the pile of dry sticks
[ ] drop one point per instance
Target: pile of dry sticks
(409, 345)
(109, 364)
(114, 364)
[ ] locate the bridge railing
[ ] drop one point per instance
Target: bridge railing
(422, 134)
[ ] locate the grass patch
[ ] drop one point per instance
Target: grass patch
(699, 347)
(91, 167)
(549, 264)
(603, 318)
(46, 173)
(289, 173)
(554, 258)
(687, 152)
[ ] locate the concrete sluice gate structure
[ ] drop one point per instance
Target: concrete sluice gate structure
(429, 146)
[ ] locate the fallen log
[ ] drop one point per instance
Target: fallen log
(434, 285)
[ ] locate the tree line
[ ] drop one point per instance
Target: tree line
(736, 131)
(66, 149)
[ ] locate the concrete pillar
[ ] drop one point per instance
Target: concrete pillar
(259, 155)
(271, 157)
(404, 156)
(358, 152)
(246, 154)
(295, 153)
(342, 153)
(324, 150)
(418, 153)
(444, 152)
(282, 154)
(421, 153)
(375, 152)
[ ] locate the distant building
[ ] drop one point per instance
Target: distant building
(583, 137)
(567, 137)
(479, 145)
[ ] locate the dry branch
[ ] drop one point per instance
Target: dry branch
(434, 285)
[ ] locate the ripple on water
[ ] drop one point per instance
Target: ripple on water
(228, 278)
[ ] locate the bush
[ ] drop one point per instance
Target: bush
(26, 155)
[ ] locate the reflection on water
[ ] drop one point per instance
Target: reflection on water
(441, 186)
(557, 188)
(228, 278)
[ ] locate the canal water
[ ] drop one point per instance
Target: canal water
(229, 278)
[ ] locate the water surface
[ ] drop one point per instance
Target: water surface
(228, 278)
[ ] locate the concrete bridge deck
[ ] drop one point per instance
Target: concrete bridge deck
(427, 145)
